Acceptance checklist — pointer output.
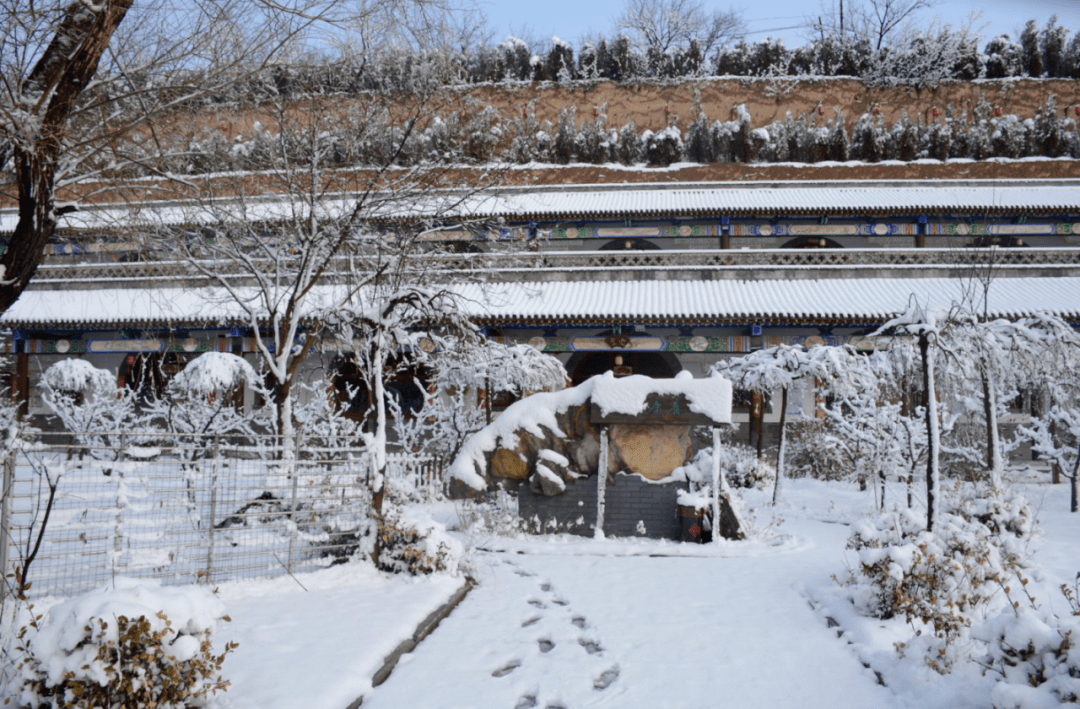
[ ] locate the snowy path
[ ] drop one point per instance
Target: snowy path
(615, 631)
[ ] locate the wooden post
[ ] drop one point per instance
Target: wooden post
(757, 415)
(21, 387)
(601, 484)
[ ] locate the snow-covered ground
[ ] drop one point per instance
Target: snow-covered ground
(571, 622)
(318, 645)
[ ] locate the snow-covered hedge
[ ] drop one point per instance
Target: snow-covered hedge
(128, 644)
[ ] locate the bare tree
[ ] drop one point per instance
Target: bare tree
(664, 25)
(872, 20)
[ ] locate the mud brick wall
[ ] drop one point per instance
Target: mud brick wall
(628, 500)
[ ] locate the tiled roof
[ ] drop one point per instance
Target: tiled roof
(803, 300)
(788, 198)
(640, 201)
(854, 300)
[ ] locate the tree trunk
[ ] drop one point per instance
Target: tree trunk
(780, 446)
(1055, 466)
(378, 453)
(930, 406)
(1073, 479)
(993, 447)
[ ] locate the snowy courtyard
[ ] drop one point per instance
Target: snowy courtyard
(562, 621)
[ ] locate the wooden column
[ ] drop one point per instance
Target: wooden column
(20, 386)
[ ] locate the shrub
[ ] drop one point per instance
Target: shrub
(129, 644)
(812, 450)
(743, 469)
(663, 147)
(939, 578)
(414, 543)
(1035, 653)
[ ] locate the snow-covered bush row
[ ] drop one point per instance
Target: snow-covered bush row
(808, 138)
(128, 644)
(200, 400)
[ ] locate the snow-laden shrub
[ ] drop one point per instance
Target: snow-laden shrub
(938, 579)
(743, 469)
(86, 398)
(128, 644)
(414, 543)
(812, 451)
(1008, 516)
(663, 147)
(495, 513)
(204, 398)
(1036, 654)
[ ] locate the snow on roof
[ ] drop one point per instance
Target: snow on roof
(771, 198)
(746, 198)
(850, 299)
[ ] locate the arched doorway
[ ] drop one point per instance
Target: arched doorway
(1004, 242)
(659, 365)
(811, 242)
(148, 373)
(629, 245)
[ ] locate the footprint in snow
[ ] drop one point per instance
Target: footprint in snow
(545, 645)
(591, 646)
(606, 678)
(526, 702)
(531, 621)
(579, 622)
(536, 602)
(507, 668)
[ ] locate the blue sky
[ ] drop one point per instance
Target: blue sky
(572, 19)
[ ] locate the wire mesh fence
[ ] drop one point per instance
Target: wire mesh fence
(212, 508)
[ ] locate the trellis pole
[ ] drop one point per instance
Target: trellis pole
(601, 484)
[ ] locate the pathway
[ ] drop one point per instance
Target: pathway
(568, 631)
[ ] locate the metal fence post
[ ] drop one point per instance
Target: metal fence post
(121, 503)
(5, 516)
(292, 503)
(213, 508)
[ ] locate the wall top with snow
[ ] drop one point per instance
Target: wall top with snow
(641, 399)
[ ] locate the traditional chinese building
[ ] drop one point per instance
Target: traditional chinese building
(648, 279)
